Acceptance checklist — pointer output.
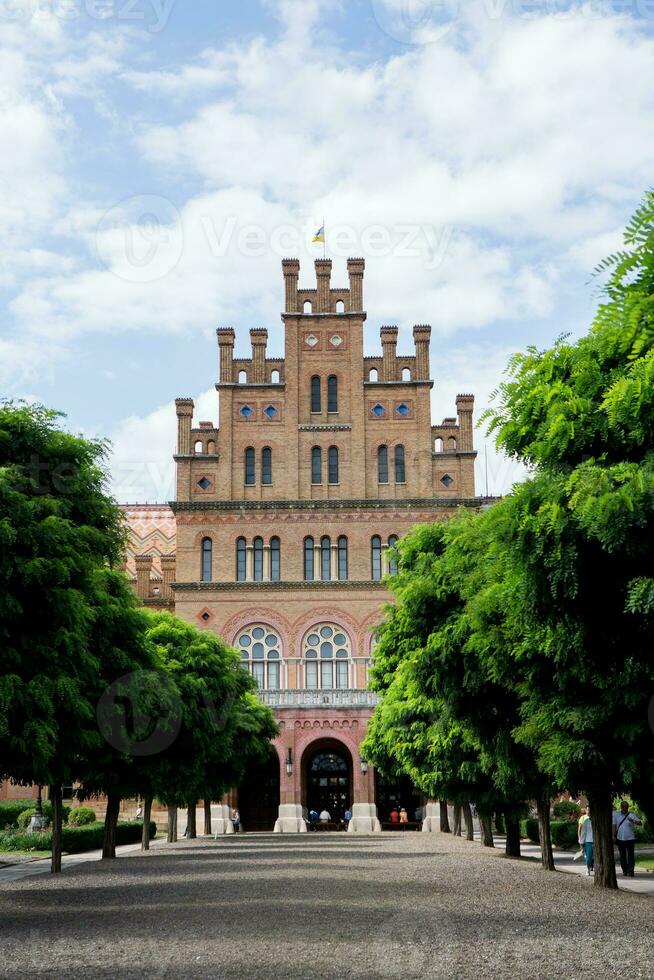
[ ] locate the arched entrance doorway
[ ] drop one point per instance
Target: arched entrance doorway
(327, 778)
(391, 792)
(258, 796)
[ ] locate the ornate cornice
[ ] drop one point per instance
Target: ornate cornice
(367, 585)
(419, 503)
(326, 427)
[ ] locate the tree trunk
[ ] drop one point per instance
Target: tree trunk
(207, 818)
(445, 820)
(512, 848)
(172, 823)
(544, 833)
(110, 821)
(191, 822)
(467, 816)
(601, 814)
(57, 824)
(486, 826)
(147, 813)
(456, 826)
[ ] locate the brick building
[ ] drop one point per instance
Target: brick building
(285, 513)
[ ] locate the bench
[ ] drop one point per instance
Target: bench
(411, 825)
(325, 825)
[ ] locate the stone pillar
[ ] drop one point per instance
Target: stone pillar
(291, 270)
(249, 563)
(465, 405)
(221, 814)
(168, 572)
(226, 338)
(334, 563)
(143, 574)
(317, 563)
(184, 408)
(356, 268)
(291, 819)
(259, 341)
(431, 819)
(266, 563)
(384, 560)
(421, 336)
(389, 348)
(364, 819)
(323, 276)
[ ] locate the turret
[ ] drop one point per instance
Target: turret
(184, 408)
(226, 339)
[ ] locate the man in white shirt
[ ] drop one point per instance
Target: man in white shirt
(325, 817)
(623, 830)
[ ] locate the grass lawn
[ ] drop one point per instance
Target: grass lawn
(18, 857)
(645, 863)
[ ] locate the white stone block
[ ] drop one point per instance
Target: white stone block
(364, 819)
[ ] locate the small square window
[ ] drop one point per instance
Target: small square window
(247, 412)
(270, 411)
(447, 480)
(204, 483)
(205, 616)
(378, 410)
(403, 410)
(312, 341)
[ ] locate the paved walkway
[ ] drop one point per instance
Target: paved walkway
(405, 906)
(642, 882)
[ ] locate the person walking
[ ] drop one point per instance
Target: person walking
(624, 822)
(586, 842)
(347, 816)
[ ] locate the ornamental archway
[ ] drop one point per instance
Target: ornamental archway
(327, 778)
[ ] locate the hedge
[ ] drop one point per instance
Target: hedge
(564, 832)
(10, 810)
(529, 830)
(81, 816)
(562, 809)
(75, 839)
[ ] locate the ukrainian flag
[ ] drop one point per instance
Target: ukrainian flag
(319, 236)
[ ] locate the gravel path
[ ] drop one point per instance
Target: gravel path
(406, 906)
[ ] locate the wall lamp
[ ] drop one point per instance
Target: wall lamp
(289, 762)
(364, 766)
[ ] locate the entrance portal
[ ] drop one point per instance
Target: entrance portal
(329, 780)
(258, 796)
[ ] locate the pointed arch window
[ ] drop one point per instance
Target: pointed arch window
(316, 465)
(266, 466)
(250, 476)
(332, 393)
(207, 556)
(275, 560)
(315, 394)
(376, 558)
(400, 468)
(382, 464)
(392, 561)
(241, 560)
(333, 464)
(342, 559)
(308, 560)
(258, 559)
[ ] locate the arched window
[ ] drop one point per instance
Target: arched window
(451, 444)
(261, 654)
(406, 374)
(275, 560)
(340, 306)
(332, 393)
(241, 560)
(392, 561)
(211, 447)
(382, 464)
(374, 375)
(258, 559)
(250, 477)
(207, 555)
(333, 464)
(400, 469)
(308, 560)
(342, 559)
(242, 377)
(266, 466)
(315, 394)
(198, 448)
(316, 465)
(438, 445)
(325, 559)
(376, 558)
(274, 378)
(308, 306)
(326, 652)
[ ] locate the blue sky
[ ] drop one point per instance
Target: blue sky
(161, 157)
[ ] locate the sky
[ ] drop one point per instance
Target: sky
(160, 158)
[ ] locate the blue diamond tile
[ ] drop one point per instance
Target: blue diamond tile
(403, 410)
(247, 412)
(378, 410)
(271, 411)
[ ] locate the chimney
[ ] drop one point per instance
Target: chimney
(421, 337)
(143, 573)
(291, 270)
(184, 408)
(465, 406)
(259, 341)
(356, 268)
(168, 572)
(324, 279)
(226, 338)
(389, 350)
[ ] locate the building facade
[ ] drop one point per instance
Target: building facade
(285, 516)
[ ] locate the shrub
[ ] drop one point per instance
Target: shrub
(529, 829)
(81, 816)
(564, 833)
(564, 809)
(23, 820)
(10, 810)
(500, 826)
(75, 839)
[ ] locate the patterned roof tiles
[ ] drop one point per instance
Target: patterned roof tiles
(152, 531)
